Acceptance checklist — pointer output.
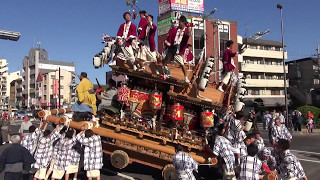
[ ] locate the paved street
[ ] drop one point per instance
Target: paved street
(305, 146)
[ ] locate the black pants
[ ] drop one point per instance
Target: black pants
(297, 126)
(12, 176)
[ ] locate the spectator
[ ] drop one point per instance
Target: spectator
(309, 114)
(5, 130)
(282, 118)
(184, 164)
(279, 131)
(297, 120)
(250, 165)
(309, 124)
(15, 159)
(290, 167)
(266, 119)
(25, 125)
(92, 153)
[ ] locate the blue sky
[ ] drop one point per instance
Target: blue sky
(70, 30)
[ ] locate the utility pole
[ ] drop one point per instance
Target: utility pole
(279, 6)
(59, 89)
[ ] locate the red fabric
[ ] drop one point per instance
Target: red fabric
(151, 35)
(184, 42)
(309, 115)
(189, 56)
(266, 168)
(132, 32)
(227, 55)
(143, 22)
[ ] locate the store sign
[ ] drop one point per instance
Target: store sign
(165, 25)
(164, 6)
(195, 6)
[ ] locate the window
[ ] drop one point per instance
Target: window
(61, 87)
(45, 87)
(254, 76)
(253, 47)
(51, 86)
(275, 92)
(255, 92)
(45, 77)
(45, 97)
(261, 47)
(61, 96)
(61, 77)
(268, 48)
(315, 81)
(224, 37)
(53, 76)
(278, 49)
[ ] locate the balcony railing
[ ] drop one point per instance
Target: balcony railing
(264, 53)
(248, 67)
(265, 83)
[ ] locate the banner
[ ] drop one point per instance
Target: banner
(194, 6)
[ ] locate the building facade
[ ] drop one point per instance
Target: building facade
(262, 66)
(304, 75)
(5, 79)
(16, 97)
(38, 62)
(47, 89)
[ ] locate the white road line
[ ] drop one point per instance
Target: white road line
(119, 174)
(309, 160)
(307, 152)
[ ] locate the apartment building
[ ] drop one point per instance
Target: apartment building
(16, 97)
(38, 62)
(5, 80)
(262, 66)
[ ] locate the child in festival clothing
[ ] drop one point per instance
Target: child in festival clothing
(92, 153)
(250, 165)
(74, 160)
(309, 124)
(44, 151)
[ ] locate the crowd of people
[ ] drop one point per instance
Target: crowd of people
(243, 155)
(54, 153)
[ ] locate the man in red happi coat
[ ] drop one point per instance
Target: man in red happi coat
(126, 34)
(143, 21)
(177, 43)
(147, 50)
(228, 65)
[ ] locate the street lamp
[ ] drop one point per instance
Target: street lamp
(279, 6)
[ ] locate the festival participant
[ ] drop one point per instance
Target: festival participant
(147, 50)
(108, 97)
(184, 164)
(189, 55)
(282, 118)
(258, 140)
(223, 149)
(92, 153)
(290, 167)
(43, 152)
(250, 165)
(265, 156)
(177, 43)
(29, 141)
(15, 159)
(279, 131)
(86, 98)
(61, 162)
(24, 128)
(266, 119)
(73, 159)
(228, 65)
(143, 21)
(126, 34)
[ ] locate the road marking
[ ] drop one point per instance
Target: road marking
(307, 152)
(119, 174)
(309, 160)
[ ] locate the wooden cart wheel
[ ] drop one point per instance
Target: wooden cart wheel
(119, 159)
(169, 172)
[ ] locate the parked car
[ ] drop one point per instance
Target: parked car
(29, 113)
(21, 114)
